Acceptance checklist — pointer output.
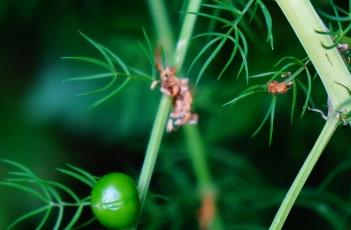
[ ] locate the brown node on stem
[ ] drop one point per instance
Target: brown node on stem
(207, 210)
(275, 87)
(179, 91)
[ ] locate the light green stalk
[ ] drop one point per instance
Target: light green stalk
(304, 173)
(335, 77)
(328, 62)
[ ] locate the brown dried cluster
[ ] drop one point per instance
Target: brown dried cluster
(275, 87)
(178, 90)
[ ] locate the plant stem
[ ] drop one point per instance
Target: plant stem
(153, 147)
(192, 136)
(165, 104)
(163, 29)
(335, 77)
(197, 156)
(185, 33)
(304, 172)
(328, 62)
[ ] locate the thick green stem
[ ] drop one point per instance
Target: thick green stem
(304, 172)
(335, 77)
(328, 62)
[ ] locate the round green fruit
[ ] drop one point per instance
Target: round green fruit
(115, 201)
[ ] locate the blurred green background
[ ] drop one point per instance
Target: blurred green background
(44, 125)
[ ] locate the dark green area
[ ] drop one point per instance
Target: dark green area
(44, 125)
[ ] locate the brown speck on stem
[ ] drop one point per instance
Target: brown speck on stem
(207, 210)
(329, 59)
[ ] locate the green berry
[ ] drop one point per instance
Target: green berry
(115, 201)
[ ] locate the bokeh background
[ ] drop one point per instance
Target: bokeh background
(44, 125)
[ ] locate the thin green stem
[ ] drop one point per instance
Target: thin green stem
(65, 204)
(196, 151)
(197, 154)
(192, 136)
(163, 28)
(165, 104)
(185, 33)
(304, 172)
(153, 147)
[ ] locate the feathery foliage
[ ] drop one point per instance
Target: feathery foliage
(118, 73)
(49, 192)
(290, 71)
(233, 26)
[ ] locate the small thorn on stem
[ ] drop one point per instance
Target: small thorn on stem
(286, 74)
(154, 84)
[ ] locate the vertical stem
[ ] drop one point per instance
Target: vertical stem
(153, 147)
(185, 33)
(304, 172)
(328, 62)
(197, 154)
(335, 77)
(192, 136)
(165, 104)
(196, 151)
(163, 28)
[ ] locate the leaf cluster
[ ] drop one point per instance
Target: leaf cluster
(50, 193)
(290, 70)
(116, 70)
(233, 17)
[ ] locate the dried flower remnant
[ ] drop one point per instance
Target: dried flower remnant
(181, 112)
(179, 91)
(344, 49)
(169, 82)
(275, 87)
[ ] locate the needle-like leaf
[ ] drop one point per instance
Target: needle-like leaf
(268, 19)
(49, 193)
(268, 114)
(27, 215)
(308, 93)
